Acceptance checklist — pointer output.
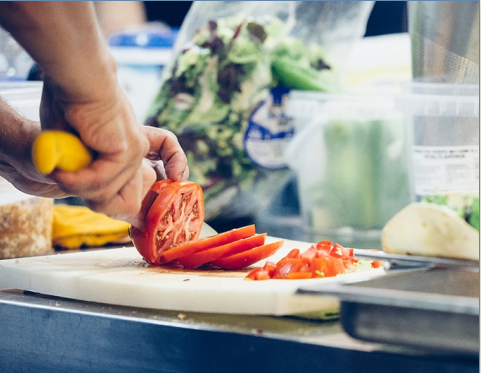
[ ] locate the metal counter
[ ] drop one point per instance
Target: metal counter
(48, 334)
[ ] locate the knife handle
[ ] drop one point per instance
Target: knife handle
(59, 149)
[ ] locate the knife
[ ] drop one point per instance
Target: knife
(399, 261)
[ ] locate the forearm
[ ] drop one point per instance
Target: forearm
(65, 40)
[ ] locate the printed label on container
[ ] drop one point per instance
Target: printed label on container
(269, 131)
(438, 169)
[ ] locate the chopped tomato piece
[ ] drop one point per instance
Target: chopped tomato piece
(299, 275)
(339, 251)
(249, 257)
(289, 265)
(209, 255)
(324, 245)
(208, 243)
(175, 216)
(258, 274)
(294, 253)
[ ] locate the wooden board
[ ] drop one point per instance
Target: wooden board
(119, 276)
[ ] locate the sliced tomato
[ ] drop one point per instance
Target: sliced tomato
(207, 243)
(248, 257)
(209, 255)
(175, 216)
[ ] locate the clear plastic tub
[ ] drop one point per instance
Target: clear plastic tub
(350, 159)
(25, 220)
(442, 122)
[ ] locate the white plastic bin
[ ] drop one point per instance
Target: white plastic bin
(350, 160)
(25, 220)
(442, 122)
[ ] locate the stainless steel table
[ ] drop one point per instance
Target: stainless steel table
(48, 334)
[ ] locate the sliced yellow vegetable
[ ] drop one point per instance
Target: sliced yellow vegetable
(59, 149)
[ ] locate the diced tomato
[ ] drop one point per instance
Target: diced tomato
(289, 265)
(175, 216)
(248, 257)
(299, 275)
(208, 243)
(376, 264)
(339, 251)
(324, 245)
(258, 274)
(209, 255)
(294, 254)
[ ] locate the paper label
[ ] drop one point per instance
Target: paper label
(269, 131)
(438, 169)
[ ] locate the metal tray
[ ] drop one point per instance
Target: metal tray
(422, 308)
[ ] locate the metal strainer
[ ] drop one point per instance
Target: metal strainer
(445, 41)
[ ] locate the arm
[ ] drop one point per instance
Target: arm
(81, 95)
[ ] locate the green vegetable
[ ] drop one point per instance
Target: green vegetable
(292, 75)
(465, 205)
(211, 90)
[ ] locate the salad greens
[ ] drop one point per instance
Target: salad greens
(465, 205)
(208, 95)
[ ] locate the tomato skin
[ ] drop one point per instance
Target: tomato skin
(258, 274)
(248, 257)
(210, 255)
(208, 243)
(175, 216)
(299, 275)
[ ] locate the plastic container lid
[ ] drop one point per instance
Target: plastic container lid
(144, 39)
(439, 100)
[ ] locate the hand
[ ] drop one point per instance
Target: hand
(118, 179)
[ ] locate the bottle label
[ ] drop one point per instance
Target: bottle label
(438, 169)
(269, 131)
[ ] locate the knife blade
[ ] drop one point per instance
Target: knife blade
(399, 261)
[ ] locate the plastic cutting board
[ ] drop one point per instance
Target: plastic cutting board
(119, 276)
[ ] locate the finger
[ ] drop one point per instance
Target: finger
(126, 201)
(165, 146)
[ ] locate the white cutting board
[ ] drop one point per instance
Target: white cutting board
(119, 276)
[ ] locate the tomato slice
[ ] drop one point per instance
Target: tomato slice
(248, 257)
(209, 255)
(258, 274)
(208, 243)
(175, 216)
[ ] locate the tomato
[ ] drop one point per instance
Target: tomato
(323, 267)
(341, 252)
(299, 275)
(248, 257)
(208, 243)
(175, 216)
(290, 264)
(323, 259)
(258, 274)
(209, 255)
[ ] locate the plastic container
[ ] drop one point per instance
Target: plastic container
(350, 159)
(141, 57)
(25, 220)
(442, 122)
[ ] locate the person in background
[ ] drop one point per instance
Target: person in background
(81, 95)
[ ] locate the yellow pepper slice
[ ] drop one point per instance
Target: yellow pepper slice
(59, 149)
